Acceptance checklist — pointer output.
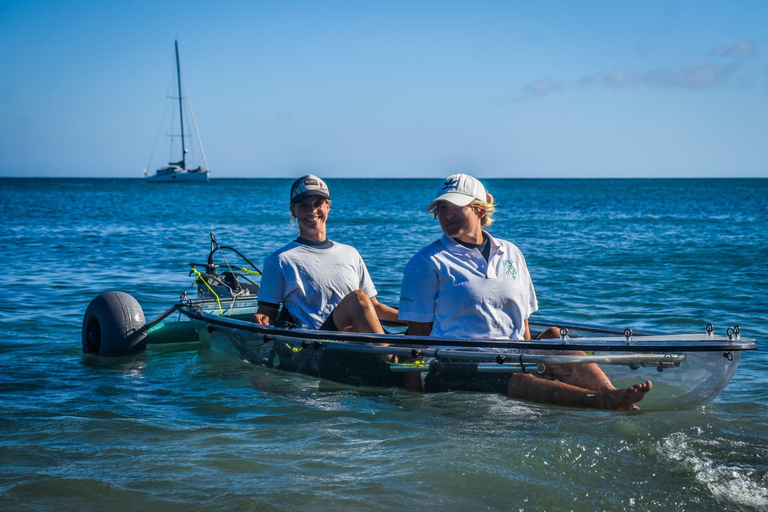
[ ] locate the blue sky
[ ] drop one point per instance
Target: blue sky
(389, 89)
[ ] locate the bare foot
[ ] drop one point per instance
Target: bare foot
(623, 399)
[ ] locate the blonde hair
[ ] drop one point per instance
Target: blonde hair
(487, 208)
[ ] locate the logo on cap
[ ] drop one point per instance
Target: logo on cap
(451, 183)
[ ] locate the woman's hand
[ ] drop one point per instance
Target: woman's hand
(260, 319)
(266, 314)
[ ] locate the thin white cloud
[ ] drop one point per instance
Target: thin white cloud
(740, 49)
(542, 87)
(706, 75)
(616, 79)
(699, 76)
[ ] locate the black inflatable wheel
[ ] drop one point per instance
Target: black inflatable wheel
(112, 325)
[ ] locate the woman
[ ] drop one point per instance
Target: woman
(471, 285)
(322, 284)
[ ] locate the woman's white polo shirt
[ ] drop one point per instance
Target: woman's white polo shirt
(464, 296)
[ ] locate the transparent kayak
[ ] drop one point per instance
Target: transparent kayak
(687, 370)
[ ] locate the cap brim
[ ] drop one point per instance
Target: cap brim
(454, 198)
(308, 193)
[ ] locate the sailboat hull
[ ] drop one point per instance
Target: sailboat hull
(179, 176)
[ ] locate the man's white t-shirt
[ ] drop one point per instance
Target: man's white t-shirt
(310, 281)
(464, 296)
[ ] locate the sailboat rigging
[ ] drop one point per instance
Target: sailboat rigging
(177, 171)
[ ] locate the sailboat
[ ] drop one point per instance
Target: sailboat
(177, 171)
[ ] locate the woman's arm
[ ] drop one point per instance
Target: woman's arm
(384, 312)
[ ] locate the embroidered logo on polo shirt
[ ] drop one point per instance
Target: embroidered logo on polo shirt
(510, 269)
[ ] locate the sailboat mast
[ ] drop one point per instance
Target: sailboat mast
(181, 110)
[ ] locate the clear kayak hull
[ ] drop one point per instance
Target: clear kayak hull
(687, 371)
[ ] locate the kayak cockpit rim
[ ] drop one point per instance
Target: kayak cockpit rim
(636, 343)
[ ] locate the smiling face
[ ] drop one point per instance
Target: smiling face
(462, 222)
(312, 214)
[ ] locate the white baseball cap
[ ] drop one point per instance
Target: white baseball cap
(308, 185)
(460, 189)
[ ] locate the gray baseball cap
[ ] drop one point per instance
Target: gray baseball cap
(308, 185)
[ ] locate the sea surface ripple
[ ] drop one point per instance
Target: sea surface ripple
(181, 428)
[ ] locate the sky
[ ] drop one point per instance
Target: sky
(498, 89)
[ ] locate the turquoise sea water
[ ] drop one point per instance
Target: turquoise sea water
(180, 428)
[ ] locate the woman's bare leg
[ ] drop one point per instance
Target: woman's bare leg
(536, 389)
(355, 313)
(587, 376)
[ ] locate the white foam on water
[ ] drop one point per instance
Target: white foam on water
(729, 482)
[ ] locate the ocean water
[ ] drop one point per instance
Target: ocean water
(181, 428)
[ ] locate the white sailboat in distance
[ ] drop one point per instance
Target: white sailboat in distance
(177, 171)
